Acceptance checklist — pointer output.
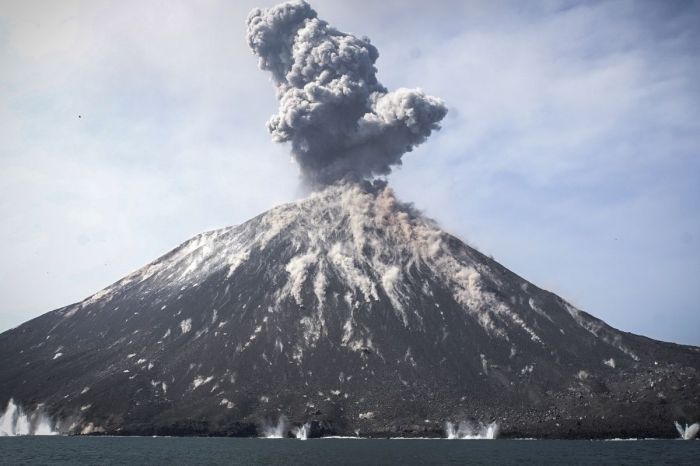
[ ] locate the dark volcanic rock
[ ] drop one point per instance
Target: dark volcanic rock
(349, 311)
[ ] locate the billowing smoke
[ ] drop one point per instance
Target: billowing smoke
(342, 123)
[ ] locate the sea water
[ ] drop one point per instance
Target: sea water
(250, 451)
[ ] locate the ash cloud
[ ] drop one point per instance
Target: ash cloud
(342, 123)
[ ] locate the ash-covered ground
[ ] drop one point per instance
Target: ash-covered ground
(349, 311)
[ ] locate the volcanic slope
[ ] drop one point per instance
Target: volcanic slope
(353, 312)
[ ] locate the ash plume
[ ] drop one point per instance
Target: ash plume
(342, 123)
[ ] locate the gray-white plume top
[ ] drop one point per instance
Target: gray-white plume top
(342, 123)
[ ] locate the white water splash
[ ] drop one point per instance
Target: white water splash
(14, 421)
(302, 432)
(276, 431)
(467, 431)
(689, 432)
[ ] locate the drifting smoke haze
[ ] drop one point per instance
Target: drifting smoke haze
(342, 123)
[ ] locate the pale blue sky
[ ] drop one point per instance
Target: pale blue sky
(571, 152)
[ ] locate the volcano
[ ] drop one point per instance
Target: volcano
(349, 312)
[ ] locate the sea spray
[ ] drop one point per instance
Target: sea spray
(302, 432)
(278, 430)
(689, 432)
(14, 421)
(467, 431)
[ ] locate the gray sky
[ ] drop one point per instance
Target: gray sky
(571, 151)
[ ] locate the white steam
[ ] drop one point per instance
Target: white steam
(15, 421)
(688, 432)
(468, 431)
(278, 430)
(281, 429)
(302, 432)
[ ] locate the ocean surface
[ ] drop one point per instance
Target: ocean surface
(233, 451)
